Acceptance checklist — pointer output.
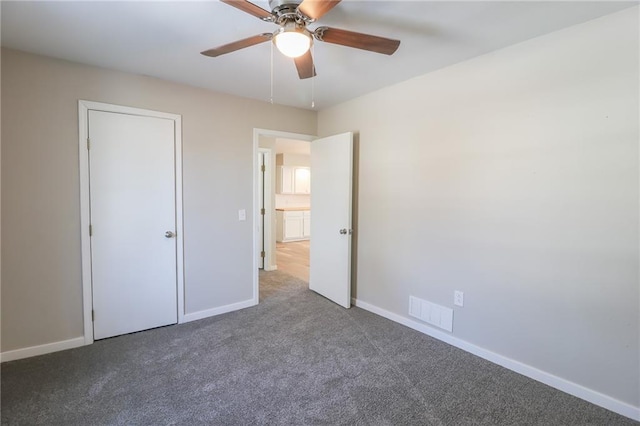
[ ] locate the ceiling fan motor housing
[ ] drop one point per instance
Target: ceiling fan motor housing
(287, 10)
(277, 4)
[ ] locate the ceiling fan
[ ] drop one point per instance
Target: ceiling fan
(294, 39)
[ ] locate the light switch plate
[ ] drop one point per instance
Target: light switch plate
(242, 214)
(458, 298)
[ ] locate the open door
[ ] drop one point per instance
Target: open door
(331, 188)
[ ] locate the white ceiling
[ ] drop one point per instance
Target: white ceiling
(163, 39)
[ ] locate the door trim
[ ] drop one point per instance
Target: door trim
(267, 263)
(85, 212)
(256, 202)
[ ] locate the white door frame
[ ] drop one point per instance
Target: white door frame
(267, 262)
(85, 213)
(268, 207)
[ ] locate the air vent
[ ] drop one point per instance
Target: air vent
(433, 314)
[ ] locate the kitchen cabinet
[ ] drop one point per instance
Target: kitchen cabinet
(293, 180)
(301, 180)
(284, 177)
(293, 225)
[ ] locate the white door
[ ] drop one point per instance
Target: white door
(330, 257)
(133, 220)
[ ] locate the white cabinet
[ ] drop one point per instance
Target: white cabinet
(301, 180)
(284, 178)
(293, 225)
(293, 180)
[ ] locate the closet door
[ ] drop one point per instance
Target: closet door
(133, 222)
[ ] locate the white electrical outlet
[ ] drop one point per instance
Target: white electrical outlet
(458, 298)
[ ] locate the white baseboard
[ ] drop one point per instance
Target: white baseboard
(559, 383)
(271, 268)
(41, 349)
(80, 341)
(194, 316)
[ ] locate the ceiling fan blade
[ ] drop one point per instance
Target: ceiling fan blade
(305, 66)
(250, 8)
(237, 45)
(316, 9)
(372, 43)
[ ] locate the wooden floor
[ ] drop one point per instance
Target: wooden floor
(293, 258)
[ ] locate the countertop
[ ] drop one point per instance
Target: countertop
(293, 209)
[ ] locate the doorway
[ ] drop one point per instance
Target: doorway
(269, 147)
(288, 201)
(330, 260)
(293, 206)
(131, 216)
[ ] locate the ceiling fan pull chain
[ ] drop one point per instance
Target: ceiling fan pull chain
(271, 99)
(313, 82)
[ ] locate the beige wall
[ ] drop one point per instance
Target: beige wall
(514, 178)
(41, 288)
(288, 159)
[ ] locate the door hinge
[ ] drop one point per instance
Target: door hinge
(263, 168)
(262, 212)
(90, 230)
(93, 315)
(88, 143)
(262, 254)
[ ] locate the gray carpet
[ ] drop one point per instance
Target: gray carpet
(294, 359)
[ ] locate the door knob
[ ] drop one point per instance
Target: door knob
(343, 231)
(169, 234)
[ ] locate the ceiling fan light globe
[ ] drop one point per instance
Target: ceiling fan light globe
(292, 43)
